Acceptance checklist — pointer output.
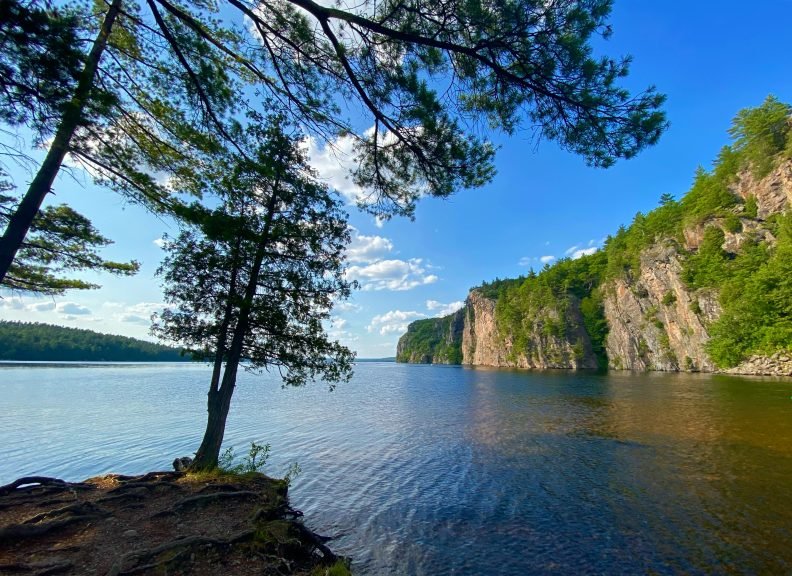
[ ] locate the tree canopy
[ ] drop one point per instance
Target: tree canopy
(254, 279)
(165, 82)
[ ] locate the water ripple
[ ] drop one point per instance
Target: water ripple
(442, 470)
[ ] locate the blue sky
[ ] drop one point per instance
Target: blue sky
(710, 58)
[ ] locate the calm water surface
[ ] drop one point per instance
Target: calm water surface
(445, 470)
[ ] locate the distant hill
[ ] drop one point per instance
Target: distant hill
(388, 359)
(32, 341)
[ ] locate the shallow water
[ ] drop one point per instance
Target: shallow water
(445, 470)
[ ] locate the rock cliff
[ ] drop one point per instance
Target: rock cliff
(485, 344)
(655, 318)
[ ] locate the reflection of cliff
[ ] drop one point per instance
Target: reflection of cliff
(640, 304)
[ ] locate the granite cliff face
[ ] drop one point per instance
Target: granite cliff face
(485, 344)
(655, 320)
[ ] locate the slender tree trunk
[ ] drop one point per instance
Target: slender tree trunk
(219, 401)
(21, 220)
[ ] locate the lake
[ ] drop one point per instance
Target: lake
(447, 470)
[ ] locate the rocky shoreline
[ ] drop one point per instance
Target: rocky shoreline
(158, 523)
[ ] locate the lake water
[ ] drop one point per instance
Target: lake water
(446, 470)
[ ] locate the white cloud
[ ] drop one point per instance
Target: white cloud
(42, 307)
(379, 221)
(396, 275)
(160, 242)
(583, 252)
(72, 309)
(134, 319)
(333, 162)
(338, 322)
(393, 322)
(12, 304)
(368, 248)
(346, 307)
(529, 260)
(139, 313)
(441, 309)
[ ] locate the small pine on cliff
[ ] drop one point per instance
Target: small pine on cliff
(700, 283)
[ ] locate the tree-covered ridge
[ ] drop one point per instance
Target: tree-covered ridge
(542, 301)
(754, 281)
(33, 341)
(753, 277)
(431, 341)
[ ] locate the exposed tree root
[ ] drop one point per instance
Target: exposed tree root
(147, 559)
(206, 498)
(37, 569)
(157, 523)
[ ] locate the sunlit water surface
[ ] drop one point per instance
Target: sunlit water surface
(445, 470)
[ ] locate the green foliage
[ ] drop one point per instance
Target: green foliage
(249, 280)
(39, 63)
(27, 341)
(707, 266)
(541, 304)
(751, 207)
(761, 133)
(254, 461)
(433, 340)
(756, 297)
(732, 224)
(61, 241)
(669, 298)
(340, 568)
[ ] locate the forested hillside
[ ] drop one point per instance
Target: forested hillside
(46, 342)
(700, 283)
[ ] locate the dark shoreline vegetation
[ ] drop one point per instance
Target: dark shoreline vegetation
(753, 281)
(37, 342)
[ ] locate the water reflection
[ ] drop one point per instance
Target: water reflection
(444, 470)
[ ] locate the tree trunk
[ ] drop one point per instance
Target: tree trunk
(209, 452)
(21, 220)
(220, 400)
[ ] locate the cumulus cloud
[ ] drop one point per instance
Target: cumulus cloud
(393, 322)
(346, 307)
(139, 313)
(12, 304)
(577, 251)
(379, 221)
(42, 307)
(530, 260)
(397, 275)
(160, 242)
(368, 248)
(441, 309)
(72, 309)
(135, 319)
(583, 252)
(333, 161)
